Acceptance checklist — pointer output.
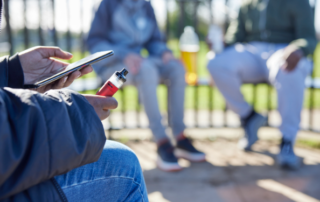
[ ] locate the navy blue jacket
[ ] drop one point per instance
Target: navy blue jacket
(42, 136)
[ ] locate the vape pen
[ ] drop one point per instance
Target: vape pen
(113, 84)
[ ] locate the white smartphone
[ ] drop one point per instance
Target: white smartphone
(91, 59)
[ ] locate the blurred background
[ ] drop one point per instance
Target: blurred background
(229, 175)
(65, 23)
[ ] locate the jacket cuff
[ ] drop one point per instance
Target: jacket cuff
(15, 72)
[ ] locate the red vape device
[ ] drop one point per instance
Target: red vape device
(113, 84)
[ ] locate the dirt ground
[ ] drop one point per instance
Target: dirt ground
(231, 175)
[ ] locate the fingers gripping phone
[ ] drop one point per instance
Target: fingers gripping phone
(91, 59)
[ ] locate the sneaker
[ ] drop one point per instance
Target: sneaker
(166, 159)
(286, 158)
(251, 126)
(186, 150)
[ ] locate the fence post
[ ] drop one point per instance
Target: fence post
(210, 12)
(8, 25)
(25, 30)
(196, 110)
(54, 32)
(82, 40)
(68, 27)
(123, 110)
(167, 20)
(41, 39)
(211, 108)
(181, 22)
(195, 16)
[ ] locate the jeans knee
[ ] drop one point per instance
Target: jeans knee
(120, 157)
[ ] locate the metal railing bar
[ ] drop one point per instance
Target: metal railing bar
(68, 34)
(211, 106)
(40, 34)
(182, 21)
(82, 39)
(8, 26)
(25, 29)
(123, 110)
(167, 20)
(196, 110)
(138, 112)
(195, 16)
(54, 31)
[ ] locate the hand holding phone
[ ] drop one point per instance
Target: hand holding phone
(43, 60)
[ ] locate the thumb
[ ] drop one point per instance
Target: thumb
(56, 52)
(108, 103)
(102, 102)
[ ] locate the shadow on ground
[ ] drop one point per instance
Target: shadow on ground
(230, 175)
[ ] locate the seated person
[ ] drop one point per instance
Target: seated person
(53, 146)
(128, 26)
(269, 41)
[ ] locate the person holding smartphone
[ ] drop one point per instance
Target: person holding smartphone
(52, 143)
(128, 26)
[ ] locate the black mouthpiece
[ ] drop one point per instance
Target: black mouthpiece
(124, 72)
(122, 75)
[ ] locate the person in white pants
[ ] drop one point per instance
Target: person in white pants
(267, 51)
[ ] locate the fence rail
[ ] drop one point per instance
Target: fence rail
(52, 22)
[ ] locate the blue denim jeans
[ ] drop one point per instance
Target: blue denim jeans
(116, 176)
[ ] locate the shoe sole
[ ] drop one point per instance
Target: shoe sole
(180, 153)
(263, 120)
(168, 166)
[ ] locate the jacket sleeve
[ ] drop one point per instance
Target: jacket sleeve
(97, 39)
(11, 72)
(155, 46)
(44, 135)
(236, 32)
(304, 26)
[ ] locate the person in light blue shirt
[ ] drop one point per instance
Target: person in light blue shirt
(127, 27)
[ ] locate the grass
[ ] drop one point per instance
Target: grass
(309, 144)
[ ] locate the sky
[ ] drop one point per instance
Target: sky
(82, 11)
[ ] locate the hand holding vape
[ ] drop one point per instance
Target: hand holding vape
(113, 84)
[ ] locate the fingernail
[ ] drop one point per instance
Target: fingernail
(68, 53)
(79, 75)
(65, 79)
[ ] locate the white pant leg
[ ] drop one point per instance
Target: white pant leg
(290, 88)
(234, 66)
